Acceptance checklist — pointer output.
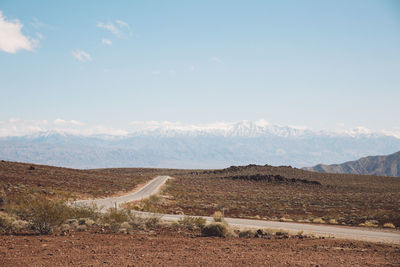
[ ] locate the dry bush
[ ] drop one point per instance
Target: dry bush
(136, 222)
(113, 216)
(333, 221)
(85, 211)
(150, 204)
(247, 234)
(217, 216)
(318, 220)
(283, 219)
(370, 223)
(6, 222)
(152, 222)
(217, 229)
(44, 214)
(192, 223)
(389, 225)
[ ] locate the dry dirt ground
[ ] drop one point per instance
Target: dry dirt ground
(168, 248)
(18, 177)
(275, 192)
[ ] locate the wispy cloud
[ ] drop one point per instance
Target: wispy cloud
(68, 122)
(11, 37)
(106, 41)
(119, 29)
(81, 55)
(21, 127)
(37, 24)
(217, 60)
(109, 26)
(122, 23)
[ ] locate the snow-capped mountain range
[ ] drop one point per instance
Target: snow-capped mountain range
(177, 145)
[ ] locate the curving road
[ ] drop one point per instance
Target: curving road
(149, 189)
(354, 233)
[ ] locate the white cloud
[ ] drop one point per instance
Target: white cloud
(81, 55)
(109, 26)
(217, 60)
(37, 24)
(66, 122)
(39, 35)
(122, 23)
(121, 28)
(21, 127)
(106, 41)
(11, 37)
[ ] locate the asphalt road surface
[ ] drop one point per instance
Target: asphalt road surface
(345, 232)
(149, 189)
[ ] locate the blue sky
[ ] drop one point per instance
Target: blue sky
(321, 64)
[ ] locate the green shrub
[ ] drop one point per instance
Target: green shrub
(44, 214)
(84, 211)
(115, 216)
(216, 229)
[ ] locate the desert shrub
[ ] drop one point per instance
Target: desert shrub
(370, 223)
(44, 214)
(136, 222)
(300, 233)
(152, 222)
(217, 216)
(151, 204)
(20, 225)
(216, 229)
(192, 223)
(333, 221)
(318, 220)
(125, 225)
(65, 227)
(85, 211)
(115, 216)
(389, 225)
(86, 221)
(247, 234)
(81, 228)
(283, 219)
(6, 222)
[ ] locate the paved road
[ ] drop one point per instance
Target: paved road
(149, 189)
(354, 233)
(343, 232)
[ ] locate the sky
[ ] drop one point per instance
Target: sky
(318, 64)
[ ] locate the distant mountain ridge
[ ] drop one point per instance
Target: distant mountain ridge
(195, 146)
(373, 165)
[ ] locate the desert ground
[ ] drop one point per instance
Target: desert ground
(258, 192)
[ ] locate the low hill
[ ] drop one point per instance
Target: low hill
(373, 165)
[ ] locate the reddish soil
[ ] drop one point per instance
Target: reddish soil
(180, 249)
(17, 177)
(275, 192)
